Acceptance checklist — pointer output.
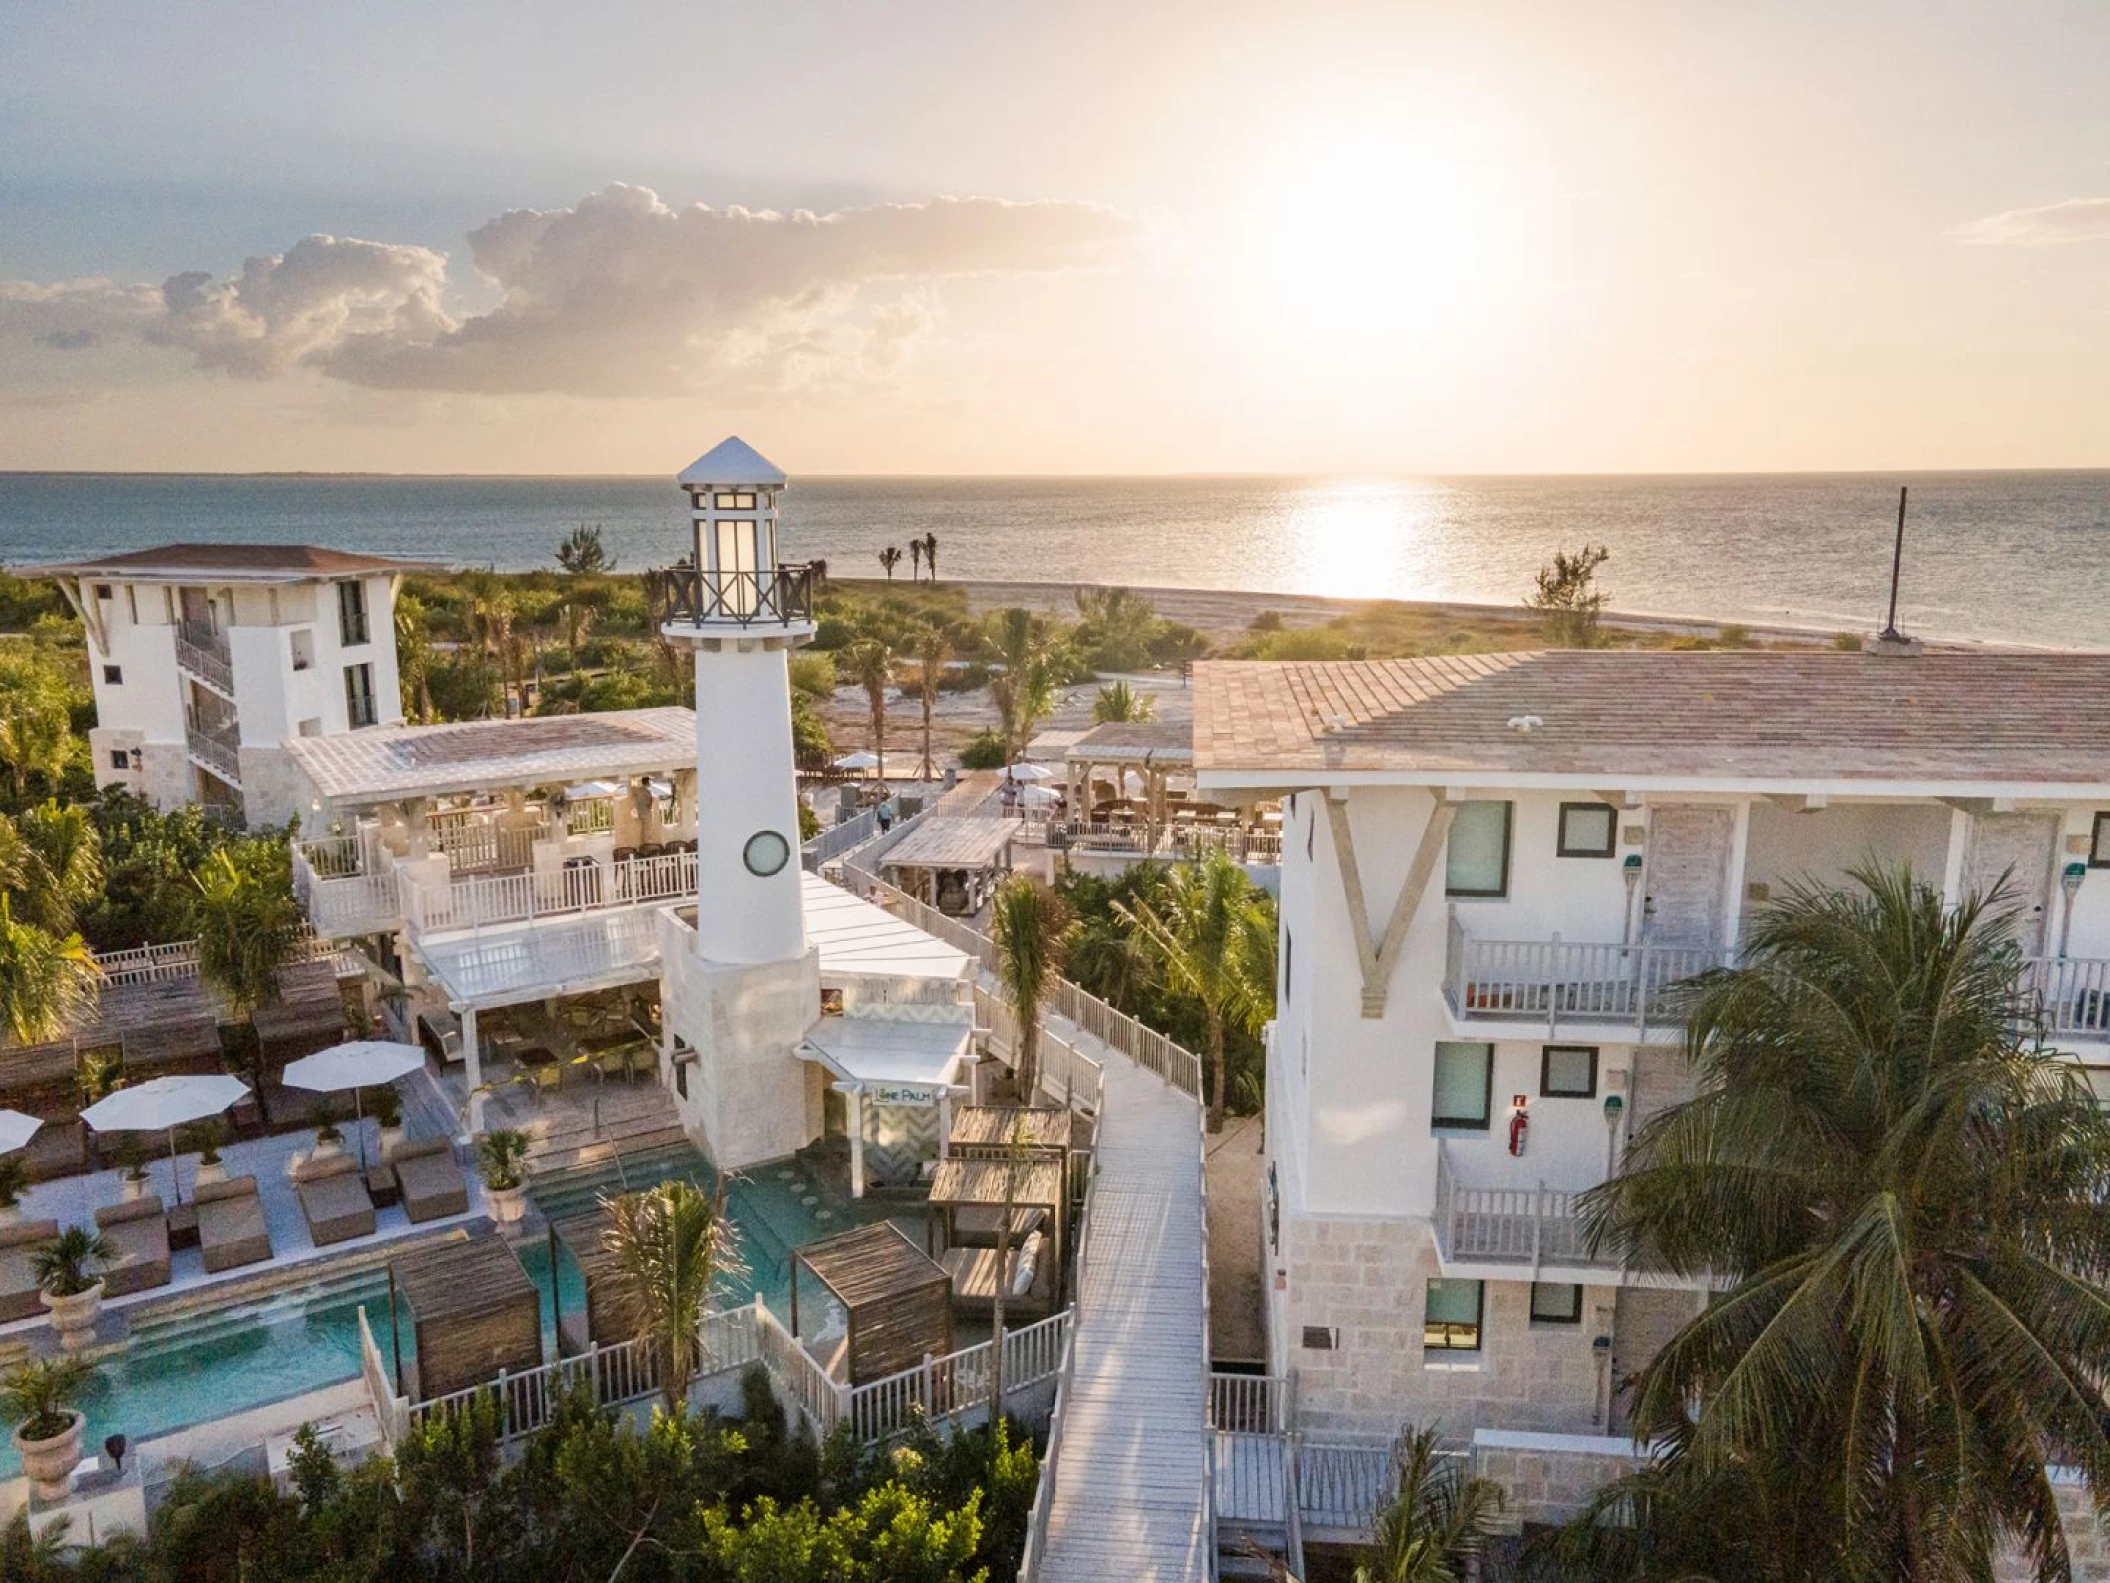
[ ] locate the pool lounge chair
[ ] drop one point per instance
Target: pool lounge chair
(231, 1226)
(19, 1295)
(334, 1201)
(429, 1180)
(138, 1234)
(973, 1272)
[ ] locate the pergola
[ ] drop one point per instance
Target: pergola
(474, 1312)
(949, 862)
(993, 1132)
(897, 1299)
(1032, 1183)
(1152, 750)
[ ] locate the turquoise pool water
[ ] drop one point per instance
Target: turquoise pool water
(193, 1367)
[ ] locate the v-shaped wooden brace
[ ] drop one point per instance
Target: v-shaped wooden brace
(1377, 959)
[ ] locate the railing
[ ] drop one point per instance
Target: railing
(1533, 1225)
(832, 843)
(1058, 1417)
(202, 650)
(589, 816)
(1554, 980)
(1249, 1403)
(155, 964)
(345, 895)
(516, 898)
(819, 1396)
(1066, 1072)
(957, 1382)
(699, 596)
(1341, 1484)
(2073, 995)
(390, 1410)
(333, 857)
(216, 752)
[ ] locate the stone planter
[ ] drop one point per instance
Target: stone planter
(391, 1140)
(50, 1463)
(326, 1149)
(131, 1189)
(508, 1204)
(74, 1317)
(210, 1172)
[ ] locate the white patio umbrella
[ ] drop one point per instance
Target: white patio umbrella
(860, 760)
(361, 1063)
(164, 1104)
(1038, 794)
(1023, 771)
(16, 1130)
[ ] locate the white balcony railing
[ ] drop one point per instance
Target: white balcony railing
(344, 886)
(1534, 1225)
(483, 899)
(1556, 980)
(216, 750)
(202, 650)
(2073, 996)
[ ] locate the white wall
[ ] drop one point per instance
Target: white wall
(1823, 844)
(150, 699)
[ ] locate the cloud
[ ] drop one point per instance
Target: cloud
(2049, 225)
(619, 295)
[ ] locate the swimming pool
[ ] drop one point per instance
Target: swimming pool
(200, 1364)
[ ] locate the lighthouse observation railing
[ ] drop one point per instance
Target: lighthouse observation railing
(702, 596)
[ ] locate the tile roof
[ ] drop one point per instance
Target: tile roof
(435, 761)
(940, 841)
(1126, 740)
(239, 561)
(1738, 715)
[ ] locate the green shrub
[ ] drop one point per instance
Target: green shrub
(985, 752)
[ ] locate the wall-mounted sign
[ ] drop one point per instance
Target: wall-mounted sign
(900, 1094)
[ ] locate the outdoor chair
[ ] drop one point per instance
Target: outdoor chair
(975, 1225)
(334, 1201)
(973, 1272)
(19, 1295)
(232, 1230)
(429, 1180)
(138, 1235)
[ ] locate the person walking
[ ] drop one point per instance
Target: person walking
(886, 810)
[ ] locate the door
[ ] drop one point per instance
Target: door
(2015, 850)
(1688, 874)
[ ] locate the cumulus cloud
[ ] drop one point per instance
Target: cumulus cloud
(2049, 225)
(619, 295)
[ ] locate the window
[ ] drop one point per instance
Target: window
(2099, 848)
(1555, 1304)
(102, 590)
(351, 613)
(737, 502)
(1451, 1316)
(1568, 1071)
(120, 759)
(1588, 829)
(114, 675)
(359, 695)
(1319, 1338)
(1465, 1085)
(1476, 862)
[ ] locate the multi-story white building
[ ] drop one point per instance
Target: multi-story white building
(1493, 868)
(207, 658)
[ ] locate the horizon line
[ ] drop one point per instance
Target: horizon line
(1190, 475)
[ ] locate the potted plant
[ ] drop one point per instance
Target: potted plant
(14, 1182)
(131, 1155)
(503, 1159)
(210, 1135)
(388, 1116)
(37, 1396)
(69, 1290)
(329, 1142)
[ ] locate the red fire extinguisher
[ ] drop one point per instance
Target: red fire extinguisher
(1519, 1125)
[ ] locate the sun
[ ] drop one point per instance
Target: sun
(1369, 236)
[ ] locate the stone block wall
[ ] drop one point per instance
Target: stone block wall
(1544, 1483)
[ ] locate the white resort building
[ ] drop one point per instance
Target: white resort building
(206, 659)
(1494, 866)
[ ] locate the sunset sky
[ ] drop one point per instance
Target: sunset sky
(994, 237)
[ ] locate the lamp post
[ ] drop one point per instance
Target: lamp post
(2070, 883)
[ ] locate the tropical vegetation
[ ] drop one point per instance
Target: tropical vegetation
(671, 1245)
(1434, 1525)
(1030, 925)
(38, 1396)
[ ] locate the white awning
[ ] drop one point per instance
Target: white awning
(880, 1052)
(940, 842)
(503, 967)
(859, 940)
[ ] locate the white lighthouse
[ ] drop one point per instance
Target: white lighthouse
(742, 985)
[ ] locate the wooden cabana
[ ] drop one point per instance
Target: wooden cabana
(951, 863)
(585, 1237)
(1035, 1182)
(308, 1015)
(897, 1298)
(474, 1312)
(991, 1132)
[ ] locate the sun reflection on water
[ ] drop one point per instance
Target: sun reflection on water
(1365, 538)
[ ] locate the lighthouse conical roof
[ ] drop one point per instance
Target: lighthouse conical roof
(733, 461)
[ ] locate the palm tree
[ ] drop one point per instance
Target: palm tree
(248, 931)
(915, 560)
(1903, 1191)
(873, 668)
(414, 657)
(1024, 691)
(1434, 1525)
(1212, 933)
(1121, 702)
(52, 858)
(582, 553)
(889, 558)
(1030, 925)
(933, 652)
(930, 555)
(36, 718)
(671, 1244)
(47, 981)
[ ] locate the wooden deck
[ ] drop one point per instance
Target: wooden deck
(1129, 1487)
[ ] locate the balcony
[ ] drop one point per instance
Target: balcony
(346, 886)
(216, 745)
(691, 596)
(1526, 1226)
(201, 650)
(2072, 997)
(1552, 981)
(581, 886)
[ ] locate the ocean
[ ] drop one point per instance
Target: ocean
(2013, 557)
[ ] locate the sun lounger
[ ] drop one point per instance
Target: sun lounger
(429, 1180)
(138, 1234)
(975, 1226)
(19, 1298)
(334, 1201)
(973, 1272)
(231, 1226)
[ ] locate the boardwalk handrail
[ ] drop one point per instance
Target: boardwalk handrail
(1065, 1378)
(941, 1387)
(156, 964)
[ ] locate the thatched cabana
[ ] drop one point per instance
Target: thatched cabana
(474, 1312)
(308, 1015)
(1035, 1185)
(992, 1132)
(585, 1237)
(898, 1299)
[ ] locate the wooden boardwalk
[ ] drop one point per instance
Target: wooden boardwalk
(1129, 1487)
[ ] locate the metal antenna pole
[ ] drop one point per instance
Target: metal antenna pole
(1897, 559)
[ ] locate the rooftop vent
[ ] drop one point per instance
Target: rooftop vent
(1524, 725)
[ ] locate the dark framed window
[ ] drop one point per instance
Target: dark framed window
(734, 502)
(114, 675)
(1476, 858)
(1568, 1071)
(2099, 848)
(359, 695)
(1588, 829)
(120, 759)
(102, 590)
(1320, 1338)
(1451, 1316)
(351, 613)
(1465, 1085)
(1553, 1303)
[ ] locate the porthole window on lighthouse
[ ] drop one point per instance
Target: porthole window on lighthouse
(766, 853)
